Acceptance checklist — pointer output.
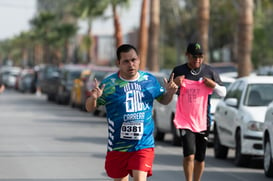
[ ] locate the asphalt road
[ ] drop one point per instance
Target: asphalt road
(43, 141)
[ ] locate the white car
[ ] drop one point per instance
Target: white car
(268, 141)
(163, 116)
(239, 118)
(214, 100)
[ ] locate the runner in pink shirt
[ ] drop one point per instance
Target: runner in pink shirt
(196, 81)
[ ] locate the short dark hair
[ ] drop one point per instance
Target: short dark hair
(125, 48)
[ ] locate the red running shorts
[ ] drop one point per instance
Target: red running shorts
(120, 164)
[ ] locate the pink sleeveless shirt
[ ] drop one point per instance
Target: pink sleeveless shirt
(191, 106)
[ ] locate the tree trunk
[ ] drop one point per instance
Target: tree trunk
(89, 50)
(118, 30)
(153, 61)
(203, 25)
(245, 37)
(38, 54)
(143, 35)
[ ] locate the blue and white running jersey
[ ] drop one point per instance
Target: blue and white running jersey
(129, 106)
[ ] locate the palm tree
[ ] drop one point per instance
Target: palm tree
(66, 31)
(153, 59)
(203, 25)
(88, 10)
(42, 25)
(117, 25)
(143, 35)
(53, 36)
(245, 37)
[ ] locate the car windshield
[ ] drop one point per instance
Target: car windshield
(258, 95)
(73, 75)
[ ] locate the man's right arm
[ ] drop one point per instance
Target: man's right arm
(2, 88)
(95, 93)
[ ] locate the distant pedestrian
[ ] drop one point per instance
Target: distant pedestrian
(2, 87)
(196, 82)
(128, 96)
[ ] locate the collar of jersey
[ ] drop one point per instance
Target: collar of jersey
(138, 75)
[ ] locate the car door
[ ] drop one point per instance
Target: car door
(163, 112)
(233, 113)
(226, 113)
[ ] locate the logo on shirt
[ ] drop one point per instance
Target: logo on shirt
(134, 97)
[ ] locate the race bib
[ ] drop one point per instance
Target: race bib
(131, 131)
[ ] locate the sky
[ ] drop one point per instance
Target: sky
(16, 14)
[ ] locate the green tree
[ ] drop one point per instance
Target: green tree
(222, 25)
(262, 53)
(88, 11)
(52, 35)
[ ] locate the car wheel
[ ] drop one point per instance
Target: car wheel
(83, 108)
(220, 151)
(176, 141)
(71, 103)
(158, 135)
(72, 99)
(59, 95)
(96, 112)
(50, 97)
(240, 159)
(268, 160)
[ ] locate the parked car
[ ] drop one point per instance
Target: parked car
(163, 116)
(98, 72)
(239, 118)
(214, 100)
(224, 67)
(67, 75)
(9, 75)
(47, 79)
(26, 81)
(227, 69)
(268, 141)
(77, 88)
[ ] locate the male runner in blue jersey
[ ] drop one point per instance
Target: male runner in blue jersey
(128, 96)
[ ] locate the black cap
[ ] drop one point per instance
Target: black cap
(194, 49)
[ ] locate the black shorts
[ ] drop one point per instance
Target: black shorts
(194, 143)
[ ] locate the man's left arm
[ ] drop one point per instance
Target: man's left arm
(220, 90)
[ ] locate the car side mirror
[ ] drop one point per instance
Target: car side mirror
(232, 102)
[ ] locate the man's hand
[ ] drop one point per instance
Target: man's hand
(170, 86)
(178, 80)
(96, 92)
(209, 83)
(171, 89)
